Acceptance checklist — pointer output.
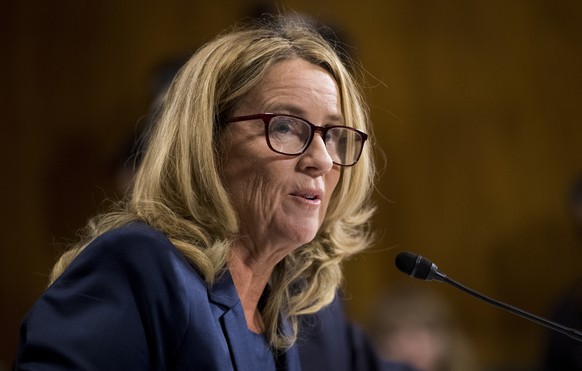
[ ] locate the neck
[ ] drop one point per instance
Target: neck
(250, 276)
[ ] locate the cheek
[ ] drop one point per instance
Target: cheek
(239, 163)
(241, 176)
(254, 186)
(331, 183)
(335, 175)
(332, 180)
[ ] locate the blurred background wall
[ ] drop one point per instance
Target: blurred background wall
(476, 107)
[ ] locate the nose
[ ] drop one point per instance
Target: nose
(316, 159)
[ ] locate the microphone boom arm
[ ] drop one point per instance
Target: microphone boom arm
(512, 309)
(420, 267)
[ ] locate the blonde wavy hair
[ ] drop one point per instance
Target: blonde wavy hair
(179, 191)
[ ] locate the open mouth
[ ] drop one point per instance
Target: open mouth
(307, 196)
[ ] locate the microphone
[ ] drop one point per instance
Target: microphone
(420, 267)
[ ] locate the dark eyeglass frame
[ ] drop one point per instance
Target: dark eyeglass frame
(267, 117)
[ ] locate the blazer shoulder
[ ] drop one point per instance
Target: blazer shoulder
(134, 243)
(135, 253)
(131, 238)
(123, 303)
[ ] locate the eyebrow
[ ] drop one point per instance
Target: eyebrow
(297, 111)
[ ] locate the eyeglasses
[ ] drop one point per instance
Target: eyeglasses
(291, 135)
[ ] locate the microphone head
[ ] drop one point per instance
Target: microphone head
(415, 265)
(405, 261)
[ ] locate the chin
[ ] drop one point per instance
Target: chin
(305, 238)
(299, 234)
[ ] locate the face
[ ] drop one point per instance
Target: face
(281, 200)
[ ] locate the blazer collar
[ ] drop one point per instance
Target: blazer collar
(223, 292)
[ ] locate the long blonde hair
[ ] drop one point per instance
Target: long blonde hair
(178, 189)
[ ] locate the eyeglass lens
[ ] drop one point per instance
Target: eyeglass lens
(290, 135)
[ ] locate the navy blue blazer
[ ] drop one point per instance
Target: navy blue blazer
(329, 341)
(131, 301)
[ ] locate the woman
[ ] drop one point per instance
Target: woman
(253, 189)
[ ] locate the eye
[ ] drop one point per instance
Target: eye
(331, 136)
(335, 137)
(284, 128)
(281, 125)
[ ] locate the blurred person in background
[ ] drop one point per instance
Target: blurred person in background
(413, 324)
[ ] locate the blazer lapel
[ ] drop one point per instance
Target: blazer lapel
(229, 313)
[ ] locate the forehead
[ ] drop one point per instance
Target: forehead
(296, 86)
